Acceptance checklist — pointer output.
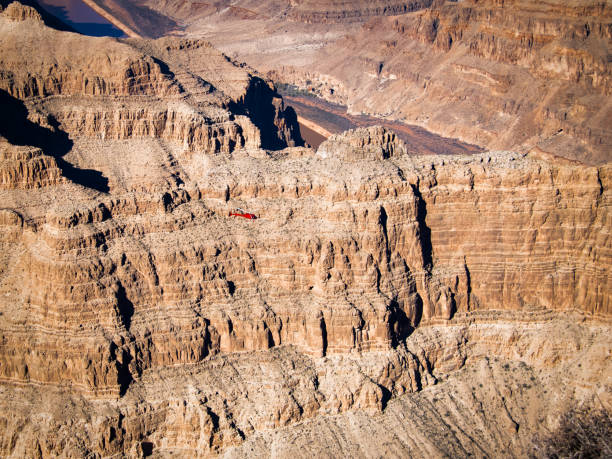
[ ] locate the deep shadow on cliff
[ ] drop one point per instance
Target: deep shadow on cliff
(277, 124)
(19, 130)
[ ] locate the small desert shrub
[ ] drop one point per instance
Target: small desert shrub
(583, 433)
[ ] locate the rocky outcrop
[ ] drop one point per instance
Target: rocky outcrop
(27, 167)
(185, 92)
(374, 143)
(105, 67)
(246, 94)
(18, 12)
(278, 124)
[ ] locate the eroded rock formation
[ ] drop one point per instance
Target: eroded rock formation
(374, 143)
(68, 72)
(377, 288)
(500, 74)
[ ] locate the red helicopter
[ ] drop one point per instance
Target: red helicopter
(241, 213)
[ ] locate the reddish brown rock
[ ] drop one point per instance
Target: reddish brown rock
(363, 308)
(502, 75)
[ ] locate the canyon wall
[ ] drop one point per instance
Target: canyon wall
(345, 256)
(376, 287)
(86, 85)
(350, 260)
(499, 74)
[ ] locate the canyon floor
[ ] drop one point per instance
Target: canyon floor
(385, 301)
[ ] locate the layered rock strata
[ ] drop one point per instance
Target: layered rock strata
(27, 167)
(250, 403)
(123, 89)
(346, 258)
(139, 318)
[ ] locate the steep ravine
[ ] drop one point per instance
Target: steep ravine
(503, 75)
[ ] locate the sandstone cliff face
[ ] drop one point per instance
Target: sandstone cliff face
(137, 317)
(349, 256)
(232, 404)
(178, 123)
(27, 167)
(85, 84)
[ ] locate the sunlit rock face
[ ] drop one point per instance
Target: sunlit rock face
(376, 288)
